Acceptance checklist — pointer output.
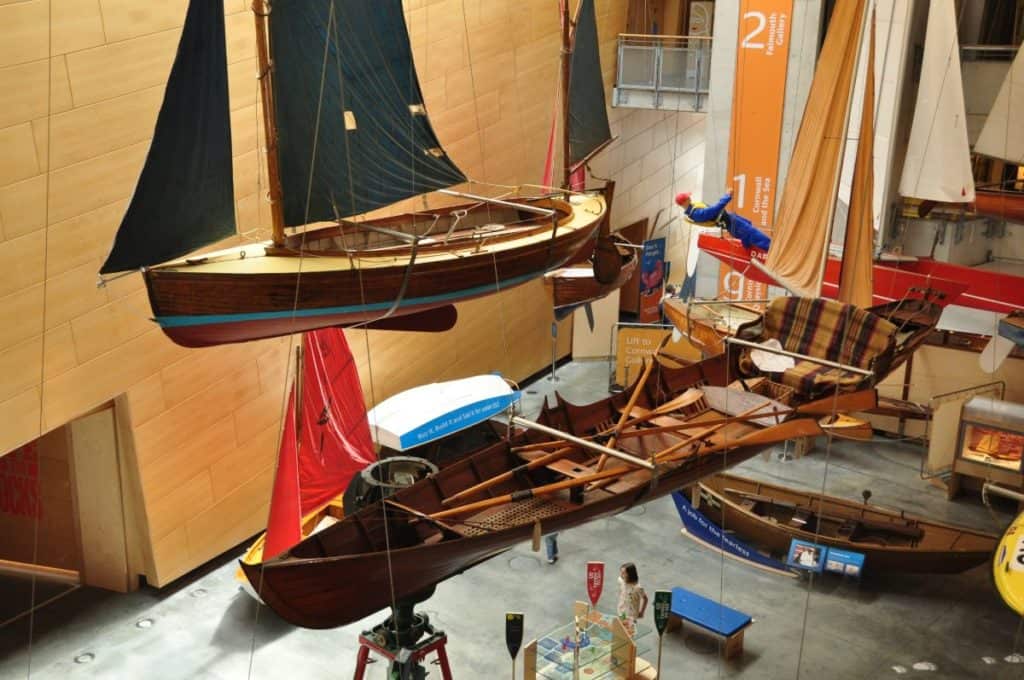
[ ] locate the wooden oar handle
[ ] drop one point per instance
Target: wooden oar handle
(497, 479)
(531, 493)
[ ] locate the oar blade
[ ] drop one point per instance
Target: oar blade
(791, 429)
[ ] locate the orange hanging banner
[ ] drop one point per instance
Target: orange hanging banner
(755, 133)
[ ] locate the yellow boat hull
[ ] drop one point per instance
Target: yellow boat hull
(1008, 565)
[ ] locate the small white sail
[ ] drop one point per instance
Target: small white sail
(999, 138)
(938, 161)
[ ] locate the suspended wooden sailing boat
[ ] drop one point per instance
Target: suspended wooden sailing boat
(799, 256)
(347, 133)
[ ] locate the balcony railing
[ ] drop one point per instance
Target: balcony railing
(662, 71)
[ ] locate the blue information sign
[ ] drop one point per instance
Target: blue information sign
(844, 562)
(806, 556)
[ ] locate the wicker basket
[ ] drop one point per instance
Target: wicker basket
(777, 391)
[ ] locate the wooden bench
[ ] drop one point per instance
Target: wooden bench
(719, 620)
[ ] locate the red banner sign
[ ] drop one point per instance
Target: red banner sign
(595, 581)
(19, 482)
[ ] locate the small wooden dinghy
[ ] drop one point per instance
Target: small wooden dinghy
(891, 540)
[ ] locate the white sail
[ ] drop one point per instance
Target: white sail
(998, 138)
(938, 160)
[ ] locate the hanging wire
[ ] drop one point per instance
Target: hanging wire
(295, 302)
(472, 87)
(42, 330)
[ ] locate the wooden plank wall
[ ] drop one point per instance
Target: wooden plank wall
(78, 99)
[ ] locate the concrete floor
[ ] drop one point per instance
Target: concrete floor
(206, 627)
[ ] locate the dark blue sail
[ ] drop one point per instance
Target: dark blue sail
(184, 199)
(352, 129)
(587, 126)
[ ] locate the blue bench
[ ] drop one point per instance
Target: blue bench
(711, 616)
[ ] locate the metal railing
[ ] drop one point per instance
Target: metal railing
(988, 52)
(660, 64)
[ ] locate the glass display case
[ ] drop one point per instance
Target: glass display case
(990, 444)
(607, 648)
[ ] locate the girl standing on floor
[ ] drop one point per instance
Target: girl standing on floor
(632, 598)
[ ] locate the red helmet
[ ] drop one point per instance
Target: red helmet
(683, 198)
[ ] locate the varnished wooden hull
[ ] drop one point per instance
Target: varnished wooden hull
(571, 290)
(239, 298)
(347, 572)
(337, 590)
(1003, 205)
(942, 548)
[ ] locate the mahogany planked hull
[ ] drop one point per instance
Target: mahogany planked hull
(337, 590)
(941, 549)
(1003, 205)
(571, 290)
(239, 300)
(345, 572)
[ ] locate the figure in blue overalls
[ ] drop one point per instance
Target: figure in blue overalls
(717, 216)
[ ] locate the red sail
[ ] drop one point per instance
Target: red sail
(333, 442)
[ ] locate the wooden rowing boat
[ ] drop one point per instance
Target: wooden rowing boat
(891, 540)
(707, 325)
(399, 548)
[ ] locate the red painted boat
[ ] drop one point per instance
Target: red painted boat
(966, 286)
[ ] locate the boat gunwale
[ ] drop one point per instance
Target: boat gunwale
(957, 532)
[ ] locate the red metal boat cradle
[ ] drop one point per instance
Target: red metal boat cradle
(435, 644)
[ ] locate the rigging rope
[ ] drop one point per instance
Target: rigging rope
(42, 328)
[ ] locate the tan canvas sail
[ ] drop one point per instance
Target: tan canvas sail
(999, 138)
(855, 277)
(797, 255)
(938, 161)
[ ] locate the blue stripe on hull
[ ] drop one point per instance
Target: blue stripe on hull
(447, 298)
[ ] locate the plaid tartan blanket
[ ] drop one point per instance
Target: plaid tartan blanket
(828, 330)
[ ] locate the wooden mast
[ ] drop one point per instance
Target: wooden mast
(261, 13)
(566, 58)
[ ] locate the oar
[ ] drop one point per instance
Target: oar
(862, 400)
(632, 402)
(497, 479)
(794, 428)
(531, 493)
(704, 434)
(658, 457)
(854, 401)
(685, 399)
(791, 429)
